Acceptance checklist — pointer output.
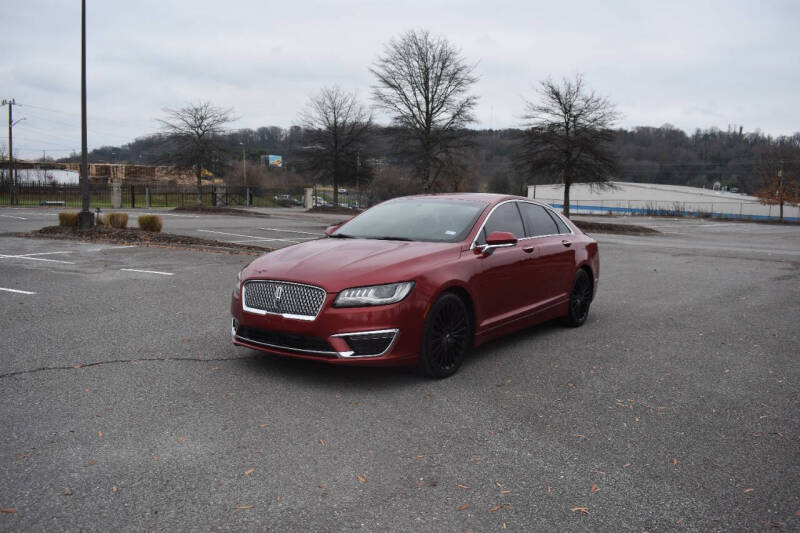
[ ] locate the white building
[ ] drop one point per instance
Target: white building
(655, 199)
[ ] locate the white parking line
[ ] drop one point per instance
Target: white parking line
(42, 253)
(249, 240)
(16, 291)
(293, 231)
(9, 216)
(2, 256)
(148, 271)
(253, 237)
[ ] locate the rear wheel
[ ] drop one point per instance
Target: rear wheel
(579, 299)
(447, 337)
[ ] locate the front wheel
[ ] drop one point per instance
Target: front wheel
(446, 338)
(579, 299)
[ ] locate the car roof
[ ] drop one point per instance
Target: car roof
(489, 198)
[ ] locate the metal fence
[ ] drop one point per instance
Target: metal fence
(147, 196)
(720, 209)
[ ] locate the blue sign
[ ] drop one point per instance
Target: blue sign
(276, 161)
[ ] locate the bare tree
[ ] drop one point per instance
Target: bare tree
(336, 125)
(423, 83)
(568, 136)
(195, 130)
(778, 167)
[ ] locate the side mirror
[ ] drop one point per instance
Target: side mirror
(497, 239)
(501, 238)
(331, 229)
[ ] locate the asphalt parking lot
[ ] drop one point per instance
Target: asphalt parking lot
(126, 407)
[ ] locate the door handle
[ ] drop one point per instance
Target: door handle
(528, 249)
(566, 243)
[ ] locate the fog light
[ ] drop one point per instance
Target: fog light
(369, 343)
(234, 326)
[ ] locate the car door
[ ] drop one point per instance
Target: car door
(501, 283)
(552, 259)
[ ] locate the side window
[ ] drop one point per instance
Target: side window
(505, 218)
(562, 228)
(537, 220)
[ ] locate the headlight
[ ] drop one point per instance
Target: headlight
(237, 291)
(374, 295)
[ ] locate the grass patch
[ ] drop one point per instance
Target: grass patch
(150, 223)
(68, 219)
(118, 220)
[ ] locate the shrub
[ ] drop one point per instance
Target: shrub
(101, 220)
(69, 220)
(150, 223)
(118, 220)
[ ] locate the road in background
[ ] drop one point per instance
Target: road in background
(125, 406)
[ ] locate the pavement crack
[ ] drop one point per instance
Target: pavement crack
(118, 361)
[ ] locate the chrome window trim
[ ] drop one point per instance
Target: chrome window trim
(475, 240)
(349, 355)
(253, 310)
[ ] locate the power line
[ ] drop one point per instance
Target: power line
(47, 109)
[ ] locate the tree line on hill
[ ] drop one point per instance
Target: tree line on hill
(423, 84)
(645, 154)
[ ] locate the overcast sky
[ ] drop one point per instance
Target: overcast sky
(692, 64)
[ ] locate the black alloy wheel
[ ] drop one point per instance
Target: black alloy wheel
(579, 299)
(447, 337)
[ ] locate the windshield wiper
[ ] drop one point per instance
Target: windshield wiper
(341, 236)
(392, 239)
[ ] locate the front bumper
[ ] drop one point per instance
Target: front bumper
(379, 335)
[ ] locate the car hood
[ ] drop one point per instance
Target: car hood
(336, 264)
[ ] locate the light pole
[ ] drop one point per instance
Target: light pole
(85, 217)
(244, 167)
(358, 189)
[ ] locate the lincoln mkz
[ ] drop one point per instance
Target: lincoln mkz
(417, 280)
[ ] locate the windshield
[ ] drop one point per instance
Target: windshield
(415, 219)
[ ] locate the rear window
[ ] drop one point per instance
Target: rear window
(562, 228)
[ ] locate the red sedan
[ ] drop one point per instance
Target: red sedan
(417, 280)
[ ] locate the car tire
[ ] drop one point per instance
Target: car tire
(447, 337)
(580, 298)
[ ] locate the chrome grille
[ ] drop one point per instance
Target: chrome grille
(283, 298)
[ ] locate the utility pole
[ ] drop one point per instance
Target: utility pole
(10, 103)
(85, 217)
